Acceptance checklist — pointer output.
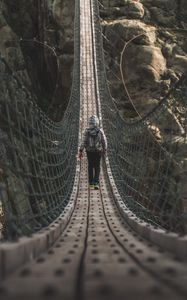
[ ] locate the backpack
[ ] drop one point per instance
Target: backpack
(94, 140)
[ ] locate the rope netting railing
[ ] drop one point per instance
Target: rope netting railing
(37, 155)
(148, 155)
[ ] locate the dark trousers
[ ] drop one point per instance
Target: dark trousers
(94, 159)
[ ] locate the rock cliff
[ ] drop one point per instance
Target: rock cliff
(36, 38)
(152, 36)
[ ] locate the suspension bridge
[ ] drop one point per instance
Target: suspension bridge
(62, 240)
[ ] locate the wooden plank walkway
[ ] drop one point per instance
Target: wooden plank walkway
(98, 256)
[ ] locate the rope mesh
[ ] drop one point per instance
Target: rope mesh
(147, 155)
(37, 155)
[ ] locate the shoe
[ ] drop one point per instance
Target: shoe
(96, 186)
(91, 186)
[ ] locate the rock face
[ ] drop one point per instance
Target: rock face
(10, 49)
(131, 9)
(154, 49)
(36, 38)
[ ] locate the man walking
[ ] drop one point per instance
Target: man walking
(95, 143)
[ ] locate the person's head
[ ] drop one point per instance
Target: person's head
(93, 121)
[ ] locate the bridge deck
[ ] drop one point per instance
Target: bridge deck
(97, 256)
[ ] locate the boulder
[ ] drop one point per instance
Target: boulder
(155, 132)
(11, 51)
(57, 12)
(113, 3)
(164, 4)
(22, 17)
(179, 63)
(133, 9)
(161, 18)
(143, 63)
(8, 39)
(183, 10)
(178, 146)
(121, 31)
(126, 8)
(2, 20)
(63, 13)
(145, 104)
